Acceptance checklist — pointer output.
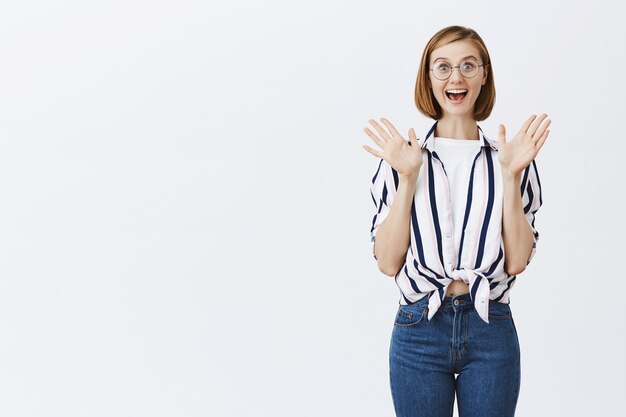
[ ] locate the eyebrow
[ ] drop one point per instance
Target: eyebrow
(465, 57)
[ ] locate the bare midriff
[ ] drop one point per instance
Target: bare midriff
(457, 287)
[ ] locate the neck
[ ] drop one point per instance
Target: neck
(457, 128)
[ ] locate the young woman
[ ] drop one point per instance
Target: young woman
(454, 225)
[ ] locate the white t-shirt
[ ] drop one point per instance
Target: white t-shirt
(457, 156)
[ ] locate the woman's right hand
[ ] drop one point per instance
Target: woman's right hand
(404, 158)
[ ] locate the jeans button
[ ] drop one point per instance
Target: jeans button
(456, 302)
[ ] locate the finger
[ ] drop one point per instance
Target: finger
(527, 123)
(502, 134)
(373, 152)
(375, 138)
(542, 139)
(541, 131)
(391, 127)
(536, 124)
(381, 131)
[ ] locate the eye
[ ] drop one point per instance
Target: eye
(441, 67)
(469, 65)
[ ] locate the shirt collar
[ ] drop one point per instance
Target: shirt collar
(484, 140)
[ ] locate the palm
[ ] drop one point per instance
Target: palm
(517, 154)
(401, 155)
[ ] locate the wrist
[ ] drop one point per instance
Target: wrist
(410, 178)
(511, 176)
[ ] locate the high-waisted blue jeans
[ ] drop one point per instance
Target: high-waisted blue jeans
(425, 355)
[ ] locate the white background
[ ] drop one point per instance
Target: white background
(185, 207)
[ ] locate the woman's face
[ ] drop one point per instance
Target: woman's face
(452, 55)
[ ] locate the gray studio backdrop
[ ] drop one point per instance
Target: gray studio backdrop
(185, 208)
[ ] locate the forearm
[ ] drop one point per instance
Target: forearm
(517, 234)
(393, 236)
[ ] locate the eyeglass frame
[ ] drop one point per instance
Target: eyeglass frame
(459, 68)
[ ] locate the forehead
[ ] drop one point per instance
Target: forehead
(455, 51)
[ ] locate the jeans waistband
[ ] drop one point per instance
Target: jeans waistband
(457, 302)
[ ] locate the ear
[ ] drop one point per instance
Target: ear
(485, 75)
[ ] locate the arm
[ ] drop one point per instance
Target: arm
(393, 235)
(517, 234)
(393, 189)
(518, 210)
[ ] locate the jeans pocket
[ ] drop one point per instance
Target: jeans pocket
(411, 315)
(499, 311)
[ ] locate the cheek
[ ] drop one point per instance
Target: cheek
(478, 85)
(435, 88)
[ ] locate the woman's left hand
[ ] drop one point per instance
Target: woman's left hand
(515, 155)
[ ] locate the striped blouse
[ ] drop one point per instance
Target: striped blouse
(432, 261)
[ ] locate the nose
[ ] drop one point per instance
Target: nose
(456, 74)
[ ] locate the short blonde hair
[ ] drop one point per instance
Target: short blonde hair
(425, 99)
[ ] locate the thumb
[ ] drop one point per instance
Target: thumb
(413, 138)
(502, 134)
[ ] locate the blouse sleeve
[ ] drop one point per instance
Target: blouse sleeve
(383, 190)
(531, 200)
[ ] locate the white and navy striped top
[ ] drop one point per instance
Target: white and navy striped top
(433, 261)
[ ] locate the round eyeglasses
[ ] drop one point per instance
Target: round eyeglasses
(468, 69)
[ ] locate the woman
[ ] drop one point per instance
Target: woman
(454, 225)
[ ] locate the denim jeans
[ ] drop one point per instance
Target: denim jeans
(425, 355)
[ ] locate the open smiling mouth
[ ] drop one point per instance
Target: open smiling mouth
(456, 96)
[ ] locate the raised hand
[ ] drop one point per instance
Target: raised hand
(404, 158)
(515, 155)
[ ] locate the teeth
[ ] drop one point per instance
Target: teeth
(456, 91)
